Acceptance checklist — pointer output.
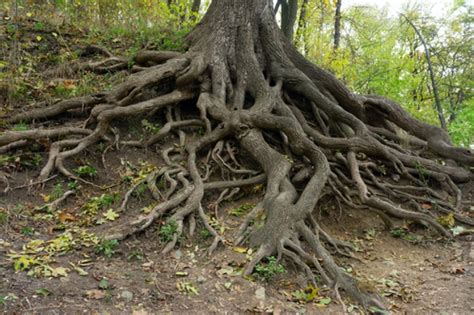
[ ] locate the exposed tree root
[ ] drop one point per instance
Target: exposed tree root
(254, 97)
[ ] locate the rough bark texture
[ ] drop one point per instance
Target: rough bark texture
(337, 24)
(310, 138)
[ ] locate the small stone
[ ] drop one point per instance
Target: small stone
(178, 254)
(201, 279)
(260, 293)
(127, 295)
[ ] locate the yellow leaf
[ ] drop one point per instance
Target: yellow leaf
(59, 272)
(111, 215)
(29, 14)
(46, 198)
(39, 38)
(447, 220)
(238, 249)
(23, 263)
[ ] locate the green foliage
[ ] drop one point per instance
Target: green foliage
(106, 248)
(86, 171)
(150, 127)
(3, 216)
(95, 204)
(462, 128)
(381, 54)
(205, 233)
(399, 232)
(57, 191)
(242, 209)
(168, 230)
(27, 231)
(72, 185)
(136, 254)
(268, 270)
(21, 126)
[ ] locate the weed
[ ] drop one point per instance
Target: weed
(399, 232)
(57, 191)
(270, 269)
(106, 248)
(150, 127)
(86, 171)
(168, 230)
(242, 209)
(136, 254)
(3, 216)
(139, 191)
(21, 126)
(72, 185)
(205, 233)
(97, 203)
(27, 231)
(422, 172)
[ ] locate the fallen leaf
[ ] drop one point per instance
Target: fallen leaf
(111, 215)
(238, 249)
(64, 216)
(59, 272)
(95, 294)
(69, 84)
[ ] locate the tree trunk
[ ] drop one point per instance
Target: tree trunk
(289, 10)
(196, 5)
(337, 24)
(439, 107)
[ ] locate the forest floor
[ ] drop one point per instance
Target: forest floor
(70, 273)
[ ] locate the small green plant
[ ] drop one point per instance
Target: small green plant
(150, 127)
(242, 209)
(424, 176)
(3, 217)
(86, 171)
(27, 231)
(136, 254)
(57, 191)
(106, 248)
(399, 232)
(72, 185)
(205, 233)
(168, 230)
(270, 269)
(140, 190)
(21, 126)
(98, 203)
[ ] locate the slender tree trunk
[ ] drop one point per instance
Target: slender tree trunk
(439, 107)
(302, 27)
(289, 10)
(337, 24)
(196, 5)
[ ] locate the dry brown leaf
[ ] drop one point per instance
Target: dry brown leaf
(64, 216)
(95, 294)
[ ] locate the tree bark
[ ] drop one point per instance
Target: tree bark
(337, 25)
(289, 10)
